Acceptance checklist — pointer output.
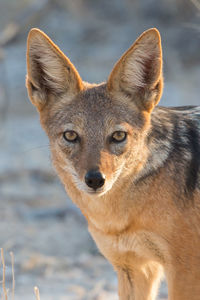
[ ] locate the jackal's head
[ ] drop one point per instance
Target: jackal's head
(96, 132)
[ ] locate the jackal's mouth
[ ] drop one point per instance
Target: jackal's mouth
(96, 192)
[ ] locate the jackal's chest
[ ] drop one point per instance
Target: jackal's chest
(130, 245)
(108, 214)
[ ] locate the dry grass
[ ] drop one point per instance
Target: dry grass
(5, 291)
(37, 294)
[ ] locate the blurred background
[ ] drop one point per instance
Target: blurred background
(38, 222)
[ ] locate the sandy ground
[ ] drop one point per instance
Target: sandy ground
(38, 222)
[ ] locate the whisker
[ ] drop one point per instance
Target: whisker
(35, 148)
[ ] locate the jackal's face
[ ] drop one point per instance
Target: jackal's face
(96, 131)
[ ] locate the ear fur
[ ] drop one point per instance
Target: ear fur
(138, 73)
(49, 71)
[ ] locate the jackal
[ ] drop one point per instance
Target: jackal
(132, 168)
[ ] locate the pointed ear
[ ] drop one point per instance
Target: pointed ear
(49, 71)
(138, 74)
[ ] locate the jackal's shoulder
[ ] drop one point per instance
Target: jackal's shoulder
(180, 125)
(174, 144)
(185, 112)
(178, 119)
(180, 111)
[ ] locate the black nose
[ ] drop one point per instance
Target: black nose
(94, 179)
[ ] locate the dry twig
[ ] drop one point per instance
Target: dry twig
(37, 293)
(4, 275)
(13, 275)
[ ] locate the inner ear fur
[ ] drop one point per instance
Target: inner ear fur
(138, 73)
(49, 71)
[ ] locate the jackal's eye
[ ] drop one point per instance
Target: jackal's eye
(70, 136)
(118, 136)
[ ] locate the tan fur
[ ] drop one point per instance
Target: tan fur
(138, 219)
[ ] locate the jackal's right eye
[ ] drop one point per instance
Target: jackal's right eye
(118, 136)
(70, 136)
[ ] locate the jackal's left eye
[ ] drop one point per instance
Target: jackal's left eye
(70, 136)
(118, 136)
